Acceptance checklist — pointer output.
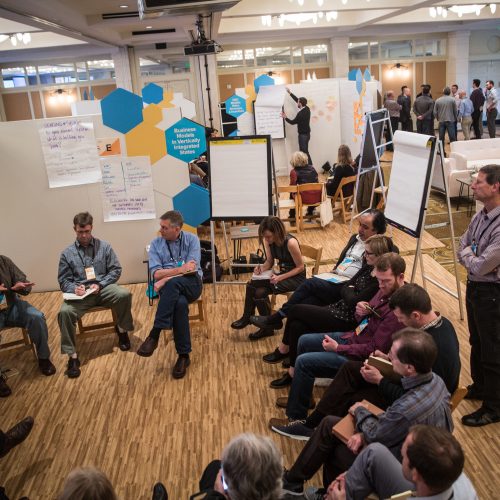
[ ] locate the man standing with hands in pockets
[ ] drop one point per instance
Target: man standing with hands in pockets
(174, 265)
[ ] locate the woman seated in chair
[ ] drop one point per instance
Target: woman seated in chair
(343, 168)
(338, 317)
(284, 248)
(303, 173)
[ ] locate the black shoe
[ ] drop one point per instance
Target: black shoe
(281, 382)
(159, 492)
(294, 489)
(46, 367)
(273, 321)
(123, 340)
(241, 323)
(73, 370)
(260, 334)
(4, 388)
(17, 435)
(147, 347)
(473, 393)
(480, 417)
(180, 367)
(274, 357)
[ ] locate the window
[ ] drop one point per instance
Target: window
(273, 56)
(396, 49)
(316, 53)
(435, 47)
(297, 55)
(81, 71)
(358, 50)
(57, 73)
(249, 57)
(31, 73)
(230, 59)
(101, 70)
(13, 77)
(164, 65)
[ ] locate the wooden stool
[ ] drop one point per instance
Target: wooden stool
(23, 343)
(94, 329)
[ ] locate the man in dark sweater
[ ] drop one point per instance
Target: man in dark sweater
(477, 98)
(423, 108)
(302, 119)
(404, 100)
(356, 380)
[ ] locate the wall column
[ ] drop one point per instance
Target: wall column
(340, 56)
(123, 61)
(457, 66)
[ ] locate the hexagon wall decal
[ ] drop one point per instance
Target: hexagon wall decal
(186, 140)
(194, 204)
(121, 110)
(235, 105)
(146, 140)
(152, 93)
(262, 80)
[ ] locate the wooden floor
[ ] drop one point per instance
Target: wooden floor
(129, 417)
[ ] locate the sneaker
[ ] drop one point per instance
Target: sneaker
(295, 429)
(16, 435)
(46, 367)
(4, 388)
(314, 493)
(289, 488)
(73, 370)
(274, 357)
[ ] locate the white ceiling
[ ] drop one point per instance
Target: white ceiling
(69, 22)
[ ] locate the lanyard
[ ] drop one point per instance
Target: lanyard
(93, 253)
(170, 250)
(475, 243)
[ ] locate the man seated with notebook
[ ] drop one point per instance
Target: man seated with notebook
(425, 401)
(174, 265)
(322, 292)
(432, 468)
(88, 272)
(358, 380)
(322, 355)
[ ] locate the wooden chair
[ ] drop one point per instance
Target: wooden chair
(93, 329)
(22, 343)
(341, 204)
(311, 253)
(288, 204)
(200, 315)
(378, 190)
(311, 186)
(457, 397)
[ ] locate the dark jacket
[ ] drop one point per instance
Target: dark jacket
(477, 98)
(305, 175)
(339, 172)
(302, 118)
(405, 113)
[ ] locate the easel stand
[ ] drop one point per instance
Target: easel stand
(418, 253)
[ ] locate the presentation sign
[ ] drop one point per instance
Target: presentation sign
(127, 188)
(268, 108)
(236, 106)
(70, 152)
(186, 140)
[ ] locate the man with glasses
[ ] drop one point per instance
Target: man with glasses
(89, 268)
(174, 265)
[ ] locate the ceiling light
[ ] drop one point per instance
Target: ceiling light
(13, 40)
(3, 38)
(149, 27)
(493, 7)
(301, 2)
(344, 2)
(320, 14)
(123, 6)
(432, 12)
(19, 36)
(320, 3)
(26, 38)
(445, 13)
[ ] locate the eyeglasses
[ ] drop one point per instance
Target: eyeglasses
(369, 253)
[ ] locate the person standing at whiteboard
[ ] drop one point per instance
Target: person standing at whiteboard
(302, 120)
(479, 253)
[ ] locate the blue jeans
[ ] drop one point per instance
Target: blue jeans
(450, 127)
(22, 314)
(313, 361)
(173, 309)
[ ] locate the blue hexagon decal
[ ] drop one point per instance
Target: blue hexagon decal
(236, 106)
(262, 80)
(186, 140)
(152, 93)
(121, 110)
(194, 204)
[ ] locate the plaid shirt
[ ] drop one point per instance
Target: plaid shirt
(425, 401)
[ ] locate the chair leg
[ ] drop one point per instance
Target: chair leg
(27, 341)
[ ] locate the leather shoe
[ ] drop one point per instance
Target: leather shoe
(46, 367)
(180, 367)
(267, 322)
(159, 492)
(4, 388)
(480, 417)
(274, 357)
(17, 435)
(147, 347)
(283, 403)
(123, 340)
(73, 370)
(281, 382)
(241, 323)
(473, 393)
(260, 334)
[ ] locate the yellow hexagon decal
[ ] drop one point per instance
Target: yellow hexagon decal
(146, 140)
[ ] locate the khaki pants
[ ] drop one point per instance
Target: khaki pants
(114, 296)
(466, 123)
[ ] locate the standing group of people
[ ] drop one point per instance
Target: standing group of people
(448, 110)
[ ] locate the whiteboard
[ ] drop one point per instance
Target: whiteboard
(369, 151)
(268, 121)
(240, 177)
(412, 166)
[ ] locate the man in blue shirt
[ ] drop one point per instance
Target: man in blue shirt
(174, 265)
(465, 111)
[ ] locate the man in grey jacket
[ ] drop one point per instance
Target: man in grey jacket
(445, 111)
(423, 108)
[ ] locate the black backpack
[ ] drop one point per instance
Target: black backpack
(206, 262)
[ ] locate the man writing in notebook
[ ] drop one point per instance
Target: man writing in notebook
(174, 265)
(89, 268)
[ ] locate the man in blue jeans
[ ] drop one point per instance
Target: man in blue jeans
(322, 355)
(174, 265)
(445, 112)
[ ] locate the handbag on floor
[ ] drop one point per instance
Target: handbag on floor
(325, 213)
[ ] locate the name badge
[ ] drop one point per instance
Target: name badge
(90, 273)
(361, 326)
(345, 264)
(180, 263)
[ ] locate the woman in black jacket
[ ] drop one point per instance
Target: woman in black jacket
(343, 168)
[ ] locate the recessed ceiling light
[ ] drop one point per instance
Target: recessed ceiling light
(149, 27)
(123, 6)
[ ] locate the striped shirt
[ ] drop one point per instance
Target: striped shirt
(75, 258)
(484, 231)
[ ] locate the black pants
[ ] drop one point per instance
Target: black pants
(305, 318)
(476, 116)
(304, 145)
(407, 124)
(425, 127)
(491, 117)
(483, 317)
(322, 449)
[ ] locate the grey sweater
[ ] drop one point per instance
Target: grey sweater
(445, 109)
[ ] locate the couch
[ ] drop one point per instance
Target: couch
(465, 157)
